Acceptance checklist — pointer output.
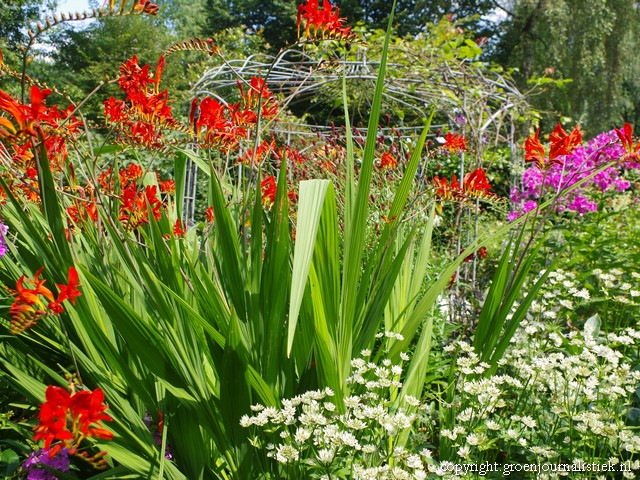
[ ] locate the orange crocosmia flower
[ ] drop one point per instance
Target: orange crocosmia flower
(326, 22)
(257, 155)
(147, 7)
(626, 138)
(534, 151)
(446, 190)
(40, 289)
(476, 183)
(563, 143)
(268, 187)
(167, 186)
(208, 214)
(31, 304)
(70, 290)
(67, 418)
(388, 161)
(177, 228)
(455, 142)
(132, 172)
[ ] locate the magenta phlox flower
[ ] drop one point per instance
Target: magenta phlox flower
(41, 457)
(580, 164)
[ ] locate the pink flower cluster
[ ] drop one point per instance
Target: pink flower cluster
(539, 185)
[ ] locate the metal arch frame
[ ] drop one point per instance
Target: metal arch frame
(297, 74)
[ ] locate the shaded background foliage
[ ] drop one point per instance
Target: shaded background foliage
(591, 43)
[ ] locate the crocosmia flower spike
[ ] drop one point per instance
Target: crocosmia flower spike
(322, 23)
(68, 417)
(562, 144)
(33, 304)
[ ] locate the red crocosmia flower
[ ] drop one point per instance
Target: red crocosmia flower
(626, 138)
(167, 186)
(211, 125)
(147, 7)
(446, 190)
(476, 183)
(268, 187)
(32, 304)
(140, 120)
(562, 144)
(56, 308)
(67, 418)
(133, 210)
(115, 110)
(455, 142)
(388, 161)
(162, 62)
(70, 290)
(569, 141)
(131, 173)
(208, 214)
(481, 252)
(325, 23)
(534, 151)
(290, 154)
(177, 228)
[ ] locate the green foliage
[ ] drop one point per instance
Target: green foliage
(274, 19)
(14, 15)
(591, 43)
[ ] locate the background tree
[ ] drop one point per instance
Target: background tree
(277, 18)
(412, 16)
(14, 15)
(592, 43)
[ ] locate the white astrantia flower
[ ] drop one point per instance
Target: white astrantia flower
(419, 474)
(528, 421)
(464, 452)
(369, 448)
(413, 461)
(286, 453)
(326, 456)
(564, 374)
(492, 425)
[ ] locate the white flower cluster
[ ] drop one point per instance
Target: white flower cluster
(312, 434)
(562, 397)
